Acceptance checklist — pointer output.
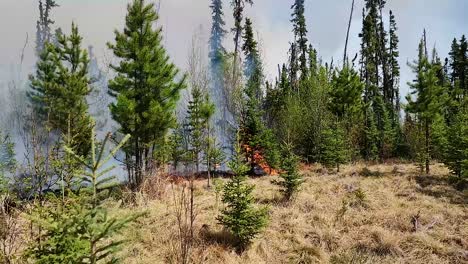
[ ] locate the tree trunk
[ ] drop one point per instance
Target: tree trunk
(427, 147)
(347, 36)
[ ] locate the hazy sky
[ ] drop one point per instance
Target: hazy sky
(326, 19)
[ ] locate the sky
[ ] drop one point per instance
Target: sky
(326, 19)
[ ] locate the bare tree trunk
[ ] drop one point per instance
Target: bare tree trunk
(345, 57)
(427, 147)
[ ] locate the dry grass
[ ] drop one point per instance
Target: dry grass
(336, 218)
(364, 214)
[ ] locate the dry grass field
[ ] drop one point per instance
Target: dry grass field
(374, 214)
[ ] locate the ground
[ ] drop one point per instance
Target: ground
(364, 214)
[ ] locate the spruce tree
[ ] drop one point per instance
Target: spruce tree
(300, 35)
(78, 229)
(291, 179)
(238, 14)
(60, 88)
(217, 51)
(43, 25)
(254, 134)
(240, 216)
(456, 154)
(394, 77)
(146, 88)
(217, 35)
(250, 49)
(334, 151)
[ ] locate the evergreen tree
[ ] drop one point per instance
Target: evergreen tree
(379, 71)
(371, 136)
(200, 111)
(79, 229)
(240, 216)
(334, 152)
(217, 35)
(300, 35)
(250, 49)
(177, 152)
(345, 96)
(60, 88)
(255, 136)
(217, 51)
(291, 179)
(238, 14)
(145, 88)
(43, 25)
(459, 70)
(293, 67)
(430, 96)
(456, 155)
(394, 71)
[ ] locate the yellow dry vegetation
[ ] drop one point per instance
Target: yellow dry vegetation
(365, 214)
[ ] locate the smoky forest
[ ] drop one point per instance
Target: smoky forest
(255, 134)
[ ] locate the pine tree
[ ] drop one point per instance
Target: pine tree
(240, 216)
(200, 111)
(345, 96)
(145, 88)
(430, 96)
(60, 88)
(291, 179)
(300, 35)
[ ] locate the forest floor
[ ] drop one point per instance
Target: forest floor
(364, 214)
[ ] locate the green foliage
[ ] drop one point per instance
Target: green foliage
(78, 229)
(334, 147)
(300, 33)
(371, 134)
(145, 87)
(240, 216)
(72, 232)
(177, 152)
(430, 95)
(200, 111)
(345, 96)
(456, 155)
(60, 87)
(291, 178)
(214, 155)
